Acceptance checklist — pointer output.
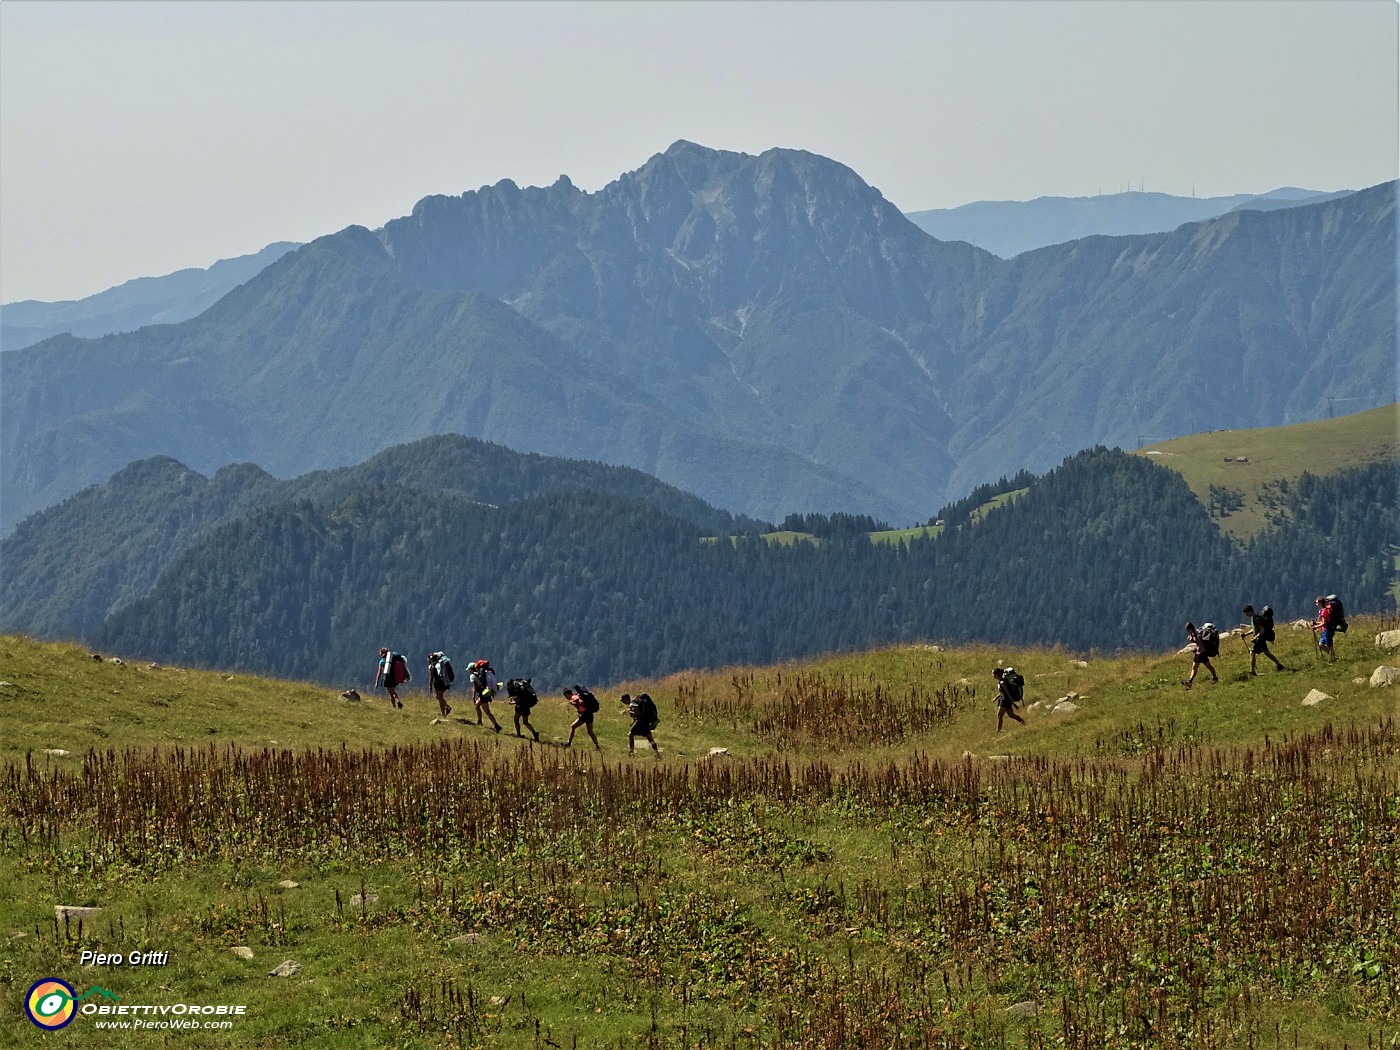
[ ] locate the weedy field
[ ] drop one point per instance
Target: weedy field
(869, 864)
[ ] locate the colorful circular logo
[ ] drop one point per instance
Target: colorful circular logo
(49, 1003)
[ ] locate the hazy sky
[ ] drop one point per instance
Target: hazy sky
(139, 138)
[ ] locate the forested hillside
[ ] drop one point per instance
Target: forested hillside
(69, 567)
(1107, 551)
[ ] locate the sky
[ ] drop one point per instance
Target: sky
(140, 138)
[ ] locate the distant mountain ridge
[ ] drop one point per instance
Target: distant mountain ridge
(765, 331)
(134, 304)
(1008, 228)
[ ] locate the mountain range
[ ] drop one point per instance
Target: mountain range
(1004, 228)
(167, 299)
(767, 332)
(1008, 228)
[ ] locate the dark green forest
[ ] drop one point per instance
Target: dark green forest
(69, 567)
(1108, 551)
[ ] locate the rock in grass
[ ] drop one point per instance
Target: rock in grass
(1023, 1010)
(74, 913)
(716, 752)
(363, 898)
(286, 968)
(466, 938)
(1388, 640)
(288, 884)
(1384, 675)
(57, 752)
(242, 951)
(350, 696)
(1315, 697)
(1064, 707)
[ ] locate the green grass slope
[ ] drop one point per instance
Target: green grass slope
(869, 863)
(1252, 462)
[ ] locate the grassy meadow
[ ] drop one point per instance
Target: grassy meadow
(868, 864)
(1251, 462)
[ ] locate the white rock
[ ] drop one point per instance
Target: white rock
(58, 752)
(367, 898)
(286, 968)
(715, 752)
(1023, 1010)
(68, 911)
(242, 951)
(1359, 680)
(1079, 663)
(115, 660)
(1384, 675)
(1301, 625)
(1315, 697)
(1384, 640)
(1065, 707)
(288, 884)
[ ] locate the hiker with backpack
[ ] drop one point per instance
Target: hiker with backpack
(644, 719)
(392, 671)
(1262, 627)
(440, 679)
(1204, 644)
(586, 704)
(522, 694)
(1011, 690)
(1331, 620)
(485, 685)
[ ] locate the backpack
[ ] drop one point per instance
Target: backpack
(523, 693)
(478, 677)
(1266, 623)
(590, 702)
(1208, 638)
(1339, 616)
(398, 670)
(445, 670)
(1015, 684)
(646, 712)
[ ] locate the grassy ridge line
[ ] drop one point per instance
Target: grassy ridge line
(1275, 454)
(57, 696)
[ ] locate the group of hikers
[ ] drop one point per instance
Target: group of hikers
(392, 672)
(1204, 643)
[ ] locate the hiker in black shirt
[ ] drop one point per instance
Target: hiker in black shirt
(644, 720)
(1010, 690)
(1204, 644)
(440, 678)
(1263, 630)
